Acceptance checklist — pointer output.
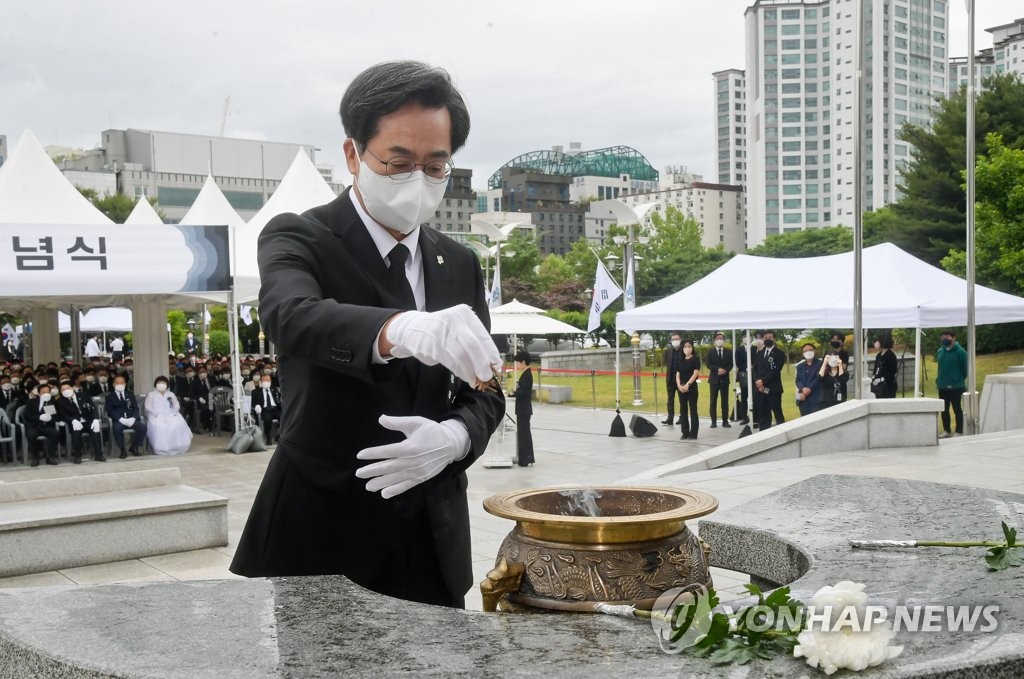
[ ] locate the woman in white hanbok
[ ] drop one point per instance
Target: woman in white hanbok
(168, 432)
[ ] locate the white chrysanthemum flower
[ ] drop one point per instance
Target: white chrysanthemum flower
(845, 647)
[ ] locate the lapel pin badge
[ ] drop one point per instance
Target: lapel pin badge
(440, 259)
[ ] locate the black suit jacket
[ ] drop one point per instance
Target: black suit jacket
(768, 365)
(524, 393)
(324, 298)
(714, 363)
(84, 412)
(116, 408)
(259, 398)
(31, 417)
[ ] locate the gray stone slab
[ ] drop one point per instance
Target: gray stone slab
(328, 626)
(41, 489)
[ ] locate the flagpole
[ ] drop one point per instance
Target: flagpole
(972, 352)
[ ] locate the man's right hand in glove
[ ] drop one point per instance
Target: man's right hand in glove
(453, 337)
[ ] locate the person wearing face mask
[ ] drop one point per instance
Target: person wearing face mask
(102, 386)
(673, 359)
(79, 415)
(719, 367)
(266, 406)
(808, 381)
(166, 429)
(124, 413)
(833, 377)
(756, 350)
(883, 379)
(768, 365)
(40, 417)
(387, 366)
(686, 384)
(200, 395)
(951, 379)
(740, 358)
(189, 406)
(838, 342)
(8, 393)
(191, 344)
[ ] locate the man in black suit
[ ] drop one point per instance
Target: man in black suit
(191, 344)
(40, 419)
(384, 358)
(200, 394)
(77, 411)
(673, 359)
(124, 413)
(524, 409)
(740, 358)
(768, 364)
(102, 385)
(719, 366)
(266, 405)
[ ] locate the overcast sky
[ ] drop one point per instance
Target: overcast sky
(535, 73)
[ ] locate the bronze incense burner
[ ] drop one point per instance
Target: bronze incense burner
(572, 548)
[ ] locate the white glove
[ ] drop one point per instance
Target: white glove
(202, 401)
(428, 448)
(76, 425)
(45, 417)
(453, 337)
(258, 409)
(127, 421)
(96, 426)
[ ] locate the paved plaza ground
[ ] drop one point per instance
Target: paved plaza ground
(572, 447)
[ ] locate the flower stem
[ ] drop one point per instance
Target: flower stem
(970, 543)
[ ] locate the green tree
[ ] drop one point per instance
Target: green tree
(807, 243)
(521, 265)
(553, 271)
(999, 225)
(928, 221)
(674, 257)
(116, 206)
(177, 320)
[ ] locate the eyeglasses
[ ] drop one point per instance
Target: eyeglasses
(402, 167)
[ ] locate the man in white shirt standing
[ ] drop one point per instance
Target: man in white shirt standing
(92, 347)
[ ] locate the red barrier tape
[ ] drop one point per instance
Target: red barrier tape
(583, 373)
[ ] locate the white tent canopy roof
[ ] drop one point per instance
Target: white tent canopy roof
(301, 188)
(103, 319)
(211, 208)
(516, 318)
(143, 214)
(899, 291)
(33, 190)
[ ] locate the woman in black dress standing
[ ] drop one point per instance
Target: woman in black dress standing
(686, 382)
(883, 382)
(524, 409)
(833, 381)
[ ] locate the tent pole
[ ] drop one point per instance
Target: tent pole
(917, 362)
(236, 368)
(750, 378)
(858, 198)
(616, 364)
(76, 336)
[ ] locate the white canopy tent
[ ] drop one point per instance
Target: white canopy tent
(301, 188)
(34, 192)
(516, 318)
(103, 319)
(899, 291)
(143, 214)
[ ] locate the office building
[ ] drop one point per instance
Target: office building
(1005, 56)
(172, 167)
(458, 206)
(718, 208)
(731, 123)
(800, 132)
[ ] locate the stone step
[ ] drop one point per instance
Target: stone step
(84, 520)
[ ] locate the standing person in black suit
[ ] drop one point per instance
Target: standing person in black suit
(768, 365)
(883, 381)
(266, 406)
(191, 344)
(79, 415)
(386, 364)
(742, 397)
(719, 366)
(524, 409)
(673, 359)
(124, 413)
(39, 422)
(686, 384)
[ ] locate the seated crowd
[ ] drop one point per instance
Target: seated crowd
(82, 405)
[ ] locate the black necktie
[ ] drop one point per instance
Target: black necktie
(399, 283)
(719, 354)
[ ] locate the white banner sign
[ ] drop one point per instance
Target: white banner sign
(40, 260)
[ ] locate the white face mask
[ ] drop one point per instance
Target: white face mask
(833, 361)
(808, 355)
(161, 387)
(266, 385)
(7, 386)
(719, 343)
(401, 205)
(67, 393)
(102, 379)
(675, 344)
(118, 388)
(44, 397)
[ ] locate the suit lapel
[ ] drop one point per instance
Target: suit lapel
(437, 278)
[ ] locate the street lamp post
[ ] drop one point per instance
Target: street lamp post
(630, 261)
(635, 342)
(263, 339)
